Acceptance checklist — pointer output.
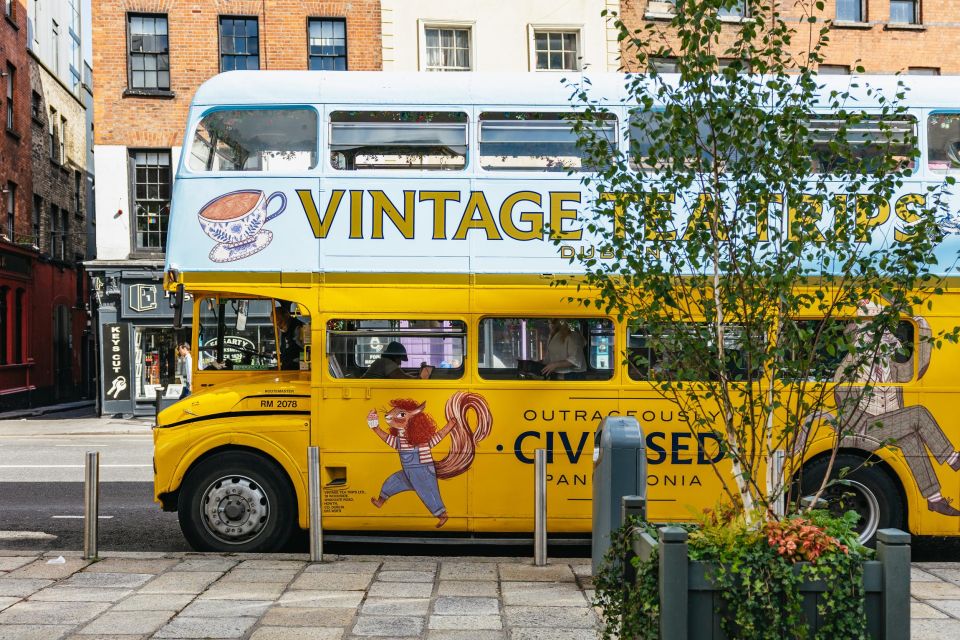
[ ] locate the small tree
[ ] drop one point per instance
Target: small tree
(748, 227)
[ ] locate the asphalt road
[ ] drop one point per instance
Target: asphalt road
(41, 495)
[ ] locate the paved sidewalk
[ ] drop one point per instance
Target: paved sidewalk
(283, 597)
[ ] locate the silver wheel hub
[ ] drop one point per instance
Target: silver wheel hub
(864, 502)
(234, 509)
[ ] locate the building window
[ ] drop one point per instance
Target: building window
(152, 198)
(739, 9)
(239, 44)
(11, 78)
(328, 44)
(63, 140)
(36, 106)
(149, 52)
(54, 230)
(52, 132)
(8, 8)
(665, 65)
(77, 197)
(834, 70)
(849, 10)
(75, 63)
(904, 12)
(923, 71)
(447, 49)
(556, 50)
(55, 44)
(11, 210)
(64, 234)
(35, 218)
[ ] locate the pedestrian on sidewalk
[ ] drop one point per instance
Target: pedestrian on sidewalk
(184, 368)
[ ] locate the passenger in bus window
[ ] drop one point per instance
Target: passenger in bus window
(388, 364)
(290, 331)
(565, 350)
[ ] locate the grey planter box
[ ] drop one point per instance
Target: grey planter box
(689, 602)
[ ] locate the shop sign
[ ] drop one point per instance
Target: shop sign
(142, 297)
(14, 263)
(116, 361)
(148, 300)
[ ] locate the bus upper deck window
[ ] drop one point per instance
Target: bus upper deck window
(274, 140)
(943, 142)
(425, 140)
(536, 141)
(870, 138)
(644, 123)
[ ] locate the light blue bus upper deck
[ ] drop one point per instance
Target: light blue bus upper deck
(473, 201)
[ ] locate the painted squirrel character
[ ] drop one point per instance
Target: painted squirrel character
(413, 433)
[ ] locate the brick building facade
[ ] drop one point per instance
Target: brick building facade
(43, 319)
(882, 36)
(150, 56)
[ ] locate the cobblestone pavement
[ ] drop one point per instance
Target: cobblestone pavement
(267, 597)
(282, 596)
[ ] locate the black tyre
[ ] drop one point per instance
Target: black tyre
(237, 501)
(864, 488)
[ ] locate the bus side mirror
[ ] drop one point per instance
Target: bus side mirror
(178, 307)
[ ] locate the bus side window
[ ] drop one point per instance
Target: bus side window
(870, 138)
(374, 349)
(425, 140)
(943, 142)
(546, 349)
(540, 141)
(655, 354)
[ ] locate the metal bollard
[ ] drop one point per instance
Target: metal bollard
(156, 409)
(91, 505)
(313, 485)
(540, 508)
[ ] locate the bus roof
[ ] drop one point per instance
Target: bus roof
(488, 88)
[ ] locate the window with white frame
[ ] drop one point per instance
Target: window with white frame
(447, 48)
(556, 50)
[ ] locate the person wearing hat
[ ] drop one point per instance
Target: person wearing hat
(388, 364)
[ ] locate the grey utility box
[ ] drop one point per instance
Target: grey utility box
(619, 469)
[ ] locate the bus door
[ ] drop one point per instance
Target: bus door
(549, 383)
(395, 446)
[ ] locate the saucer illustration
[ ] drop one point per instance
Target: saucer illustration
(231, 252)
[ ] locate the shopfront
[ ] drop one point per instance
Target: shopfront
(138, 344)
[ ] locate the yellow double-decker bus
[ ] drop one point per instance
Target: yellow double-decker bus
(370, 274)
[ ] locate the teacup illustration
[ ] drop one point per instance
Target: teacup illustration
(235, 222)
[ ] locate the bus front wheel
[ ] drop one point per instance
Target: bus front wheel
(236, 501)
(864, 488)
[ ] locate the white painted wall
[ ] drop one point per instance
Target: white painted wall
(112, 202)
(114, 198)
(501, 31)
